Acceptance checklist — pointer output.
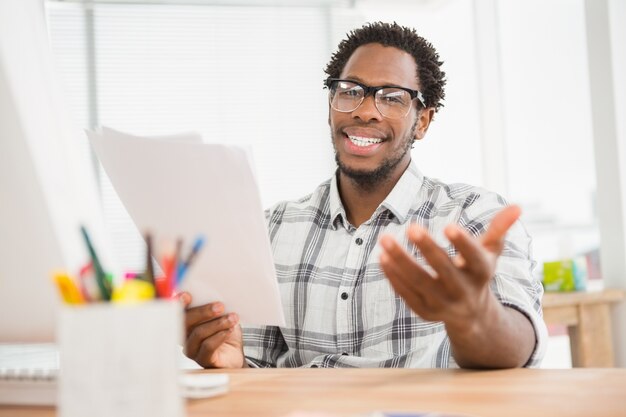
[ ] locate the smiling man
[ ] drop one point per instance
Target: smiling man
(381, 266)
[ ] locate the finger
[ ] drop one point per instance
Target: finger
(410, 281)
(209, 346)
(403, 264)
(438, 259)
(493, 239)
(471, 251)
(208, 330)
(459, 261)
(397, 274)
(200, 314)
(410, 293)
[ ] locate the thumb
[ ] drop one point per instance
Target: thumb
(185, 298)
(493, 239)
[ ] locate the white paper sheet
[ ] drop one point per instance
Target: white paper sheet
(175, 187)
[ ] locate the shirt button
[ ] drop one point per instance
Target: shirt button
(344, 353)
(344, 295)
(314, 366)
(359, 241)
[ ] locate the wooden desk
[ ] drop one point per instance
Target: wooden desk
(587, 316)
(349, 392)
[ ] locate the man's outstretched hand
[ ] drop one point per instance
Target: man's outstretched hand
(456, 290)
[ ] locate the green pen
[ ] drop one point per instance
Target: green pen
(103, 284)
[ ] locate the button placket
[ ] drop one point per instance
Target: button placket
(345, 321)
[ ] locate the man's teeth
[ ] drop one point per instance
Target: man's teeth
(359, 141)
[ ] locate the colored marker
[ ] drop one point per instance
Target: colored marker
(68, 289)
(168, 264)
(132, 275)
(103, 284)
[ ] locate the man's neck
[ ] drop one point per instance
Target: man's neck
(360, 203)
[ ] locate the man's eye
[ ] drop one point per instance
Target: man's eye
(394, 98)
(350, 93)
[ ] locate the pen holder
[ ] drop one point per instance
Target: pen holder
(120, 360)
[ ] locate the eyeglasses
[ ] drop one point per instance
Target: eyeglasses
(391, 101)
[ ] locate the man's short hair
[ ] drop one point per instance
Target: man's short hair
(429, 74)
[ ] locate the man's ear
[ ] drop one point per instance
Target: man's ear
(424, 117)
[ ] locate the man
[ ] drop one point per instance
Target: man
(381, 266)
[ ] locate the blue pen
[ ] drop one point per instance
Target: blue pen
(182, 268)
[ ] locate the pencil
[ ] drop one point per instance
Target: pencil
(149, 275)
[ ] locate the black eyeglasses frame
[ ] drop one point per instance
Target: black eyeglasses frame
(371, 90)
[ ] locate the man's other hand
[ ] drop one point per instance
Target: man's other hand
(213, 339)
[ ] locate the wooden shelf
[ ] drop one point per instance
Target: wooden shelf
(556, 299)
(588, 319)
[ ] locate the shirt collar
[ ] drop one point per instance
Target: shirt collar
(337, 212)
(398, 202)
(403, 196)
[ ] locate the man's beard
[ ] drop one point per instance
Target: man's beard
(368, 180)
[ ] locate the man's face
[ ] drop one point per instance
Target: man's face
(376, 65)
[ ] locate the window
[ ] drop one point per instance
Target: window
(156, 69)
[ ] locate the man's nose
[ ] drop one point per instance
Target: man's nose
(367, 110)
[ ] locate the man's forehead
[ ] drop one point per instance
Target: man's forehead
(375, 64)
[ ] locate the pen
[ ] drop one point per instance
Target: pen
(174, 277)
(182, 269)
(103, 284)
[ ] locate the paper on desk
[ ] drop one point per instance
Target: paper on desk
(175, 187)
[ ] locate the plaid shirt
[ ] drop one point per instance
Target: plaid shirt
(341, 310)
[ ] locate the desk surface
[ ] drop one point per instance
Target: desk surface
(349, 392)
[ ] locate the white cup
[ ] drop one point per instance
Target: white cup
(120, 360)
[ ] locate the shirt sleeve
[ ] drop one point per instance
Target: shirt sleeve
(263, 345)
(513, 284)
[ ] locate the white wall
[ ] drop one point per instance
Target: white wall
(29, 246)
(452, 148)
(46, 187)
